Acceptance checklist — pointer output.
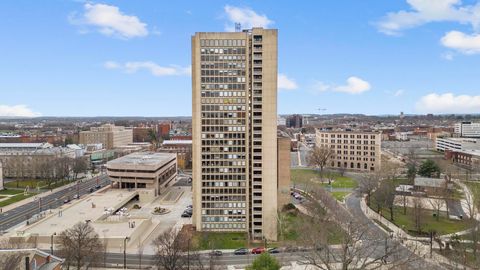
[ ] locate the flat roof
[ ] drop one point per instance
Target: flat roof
(143, 158)
(177, 142)
(24, 145)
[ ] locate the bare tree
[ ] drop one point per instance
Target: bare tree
(80, 246)
(367, 183)
(360, 247)
(418, 213)
(169, 255)
(385, 196)
(320, 156)
(13, 259)
(437, 204)
(80, 165)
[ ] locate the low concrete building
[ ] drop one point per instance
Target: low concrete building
(431, 186)
(143, 170)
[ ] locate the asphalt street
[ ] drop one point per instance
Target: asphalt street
(22, 213)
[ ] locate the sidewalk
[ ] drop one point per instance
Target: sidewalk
(41, 195)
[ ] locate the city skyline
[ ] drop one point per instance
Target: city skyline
(411, 56)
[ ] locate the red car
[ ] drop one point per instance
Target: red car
(258, 250)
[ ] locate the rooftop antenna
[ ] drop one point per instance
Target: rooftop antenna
(238, 27)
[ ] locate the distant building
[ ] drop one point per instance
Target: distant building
(183, 149)
(164, 129)
(294, 121)
(281, 121)
(108, 135)
(456, 144)
(466, 158)
(354, 150)
(143, 170)
(31, 160)
(468, 129)
(401, 136)
(431, 186)
(142, 134)
(32, 259)
(79, 150)
(283, 175)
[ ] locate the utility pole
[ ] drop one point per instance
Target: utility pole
(125, 252)
(51, 242)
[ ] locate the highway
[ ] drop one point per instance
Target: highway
(22, 213)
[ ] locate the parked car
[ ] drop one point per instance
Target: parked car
(241, 251)
(186, 214)
(76, 196)
(190, 206)
(216, 253)
(258, 250)
(67, 200)
(91, 190)
(273, 250)
(98, 186)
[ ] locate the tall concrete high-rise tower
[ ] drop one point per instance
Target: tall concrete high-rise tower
(234, 89)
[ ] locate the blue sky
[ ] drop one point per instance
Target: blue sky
(132, 58)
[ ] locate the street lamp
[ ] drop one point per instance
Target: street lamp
(51, 242)
(125, 252)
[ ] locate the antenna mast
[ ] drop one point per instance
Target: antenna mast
(238, 27)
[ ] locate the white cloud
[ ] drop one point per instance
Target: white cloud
(427, 11)
(110, 21)
(17, 111)
(152, 67)
(464, 43)
(355, 85)
(448, 103)
(398, 93)
(286, 83)
(247, 17)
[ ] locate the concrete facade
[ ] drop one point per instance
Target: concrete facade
(143, 170)
(284, 176)
(108, 135)
(468, 129)
(354, 150)
(32, 160)
(1, 176)
(234, 89)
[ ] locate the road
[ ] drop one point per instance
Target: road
(20, 214)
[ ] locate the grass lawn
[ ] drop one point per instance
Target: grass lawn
(24, 183)
(340, 195)
(10, 191)
(474, 189)
(304, 176)
(214, 240)
(15, 199)
(292, 232)
(428, 221)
